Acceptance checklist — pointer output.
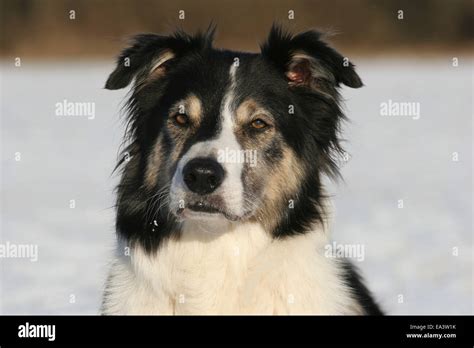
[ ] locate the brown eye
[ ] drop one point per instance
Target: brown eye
(181, 119)
(258, 124)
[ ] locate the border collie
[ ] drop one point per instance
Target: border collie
(220, 207)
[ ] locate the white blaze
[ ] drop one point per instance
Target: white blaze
(231, 188)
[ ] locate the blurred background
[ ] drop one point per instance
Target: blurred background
(44, 28)
(407, 190)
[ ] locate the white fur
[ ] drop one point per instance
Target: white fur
(232, 188)
(237, 271)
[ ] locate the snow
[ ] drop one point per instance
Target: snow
(408, 251)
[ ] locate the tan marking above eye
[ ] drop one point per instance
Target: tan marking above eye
(194, 108)
(249, 112)
(187, 111)
(245, 110)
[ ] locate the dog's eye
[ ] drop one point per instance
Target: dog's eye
(258, 124)
(181, 119)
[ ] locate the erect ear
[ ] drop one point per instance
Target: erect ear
(149, 56)
(308, 61)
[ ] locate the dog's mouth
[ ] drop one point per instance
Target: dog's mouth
(203, 210)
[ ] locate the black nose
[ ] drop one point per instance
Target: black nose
(203, 175)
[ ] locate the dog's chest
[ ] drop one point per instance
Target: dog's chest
(204, 271)
(239, 271)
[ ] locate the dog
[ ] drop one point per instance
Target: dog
(221, 207)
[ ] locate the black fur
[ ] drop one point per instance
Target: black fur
(312, 131)
(359, 290)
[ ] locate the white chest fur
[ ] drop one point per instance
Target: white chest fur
(241, 271)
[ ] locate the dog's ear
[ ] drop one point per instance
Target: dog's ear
(149, 56)
(308, 61)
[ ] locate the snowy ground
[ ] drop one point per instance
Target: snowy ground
(408, 251)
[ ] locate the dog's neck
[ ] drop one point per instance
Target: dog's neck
(237, 238)
(223, 240)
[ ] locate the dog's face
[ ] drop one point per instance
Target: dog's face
(229, 136)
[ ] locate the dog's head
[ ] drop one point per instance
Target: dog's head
(218, 135)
